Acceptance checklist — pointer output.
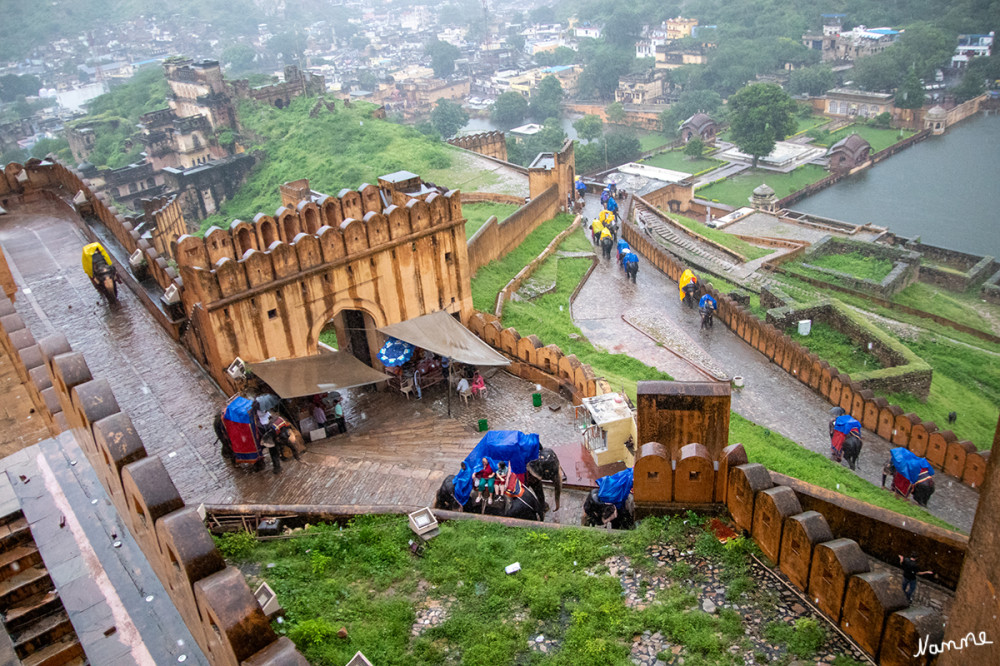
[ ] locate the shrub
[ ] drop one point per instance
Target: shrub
(311, 632)
(802, 639)
(237, 545)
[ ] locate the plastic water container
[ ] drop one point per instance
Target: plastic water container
(536, 399)
(805, 326)
(483, 427)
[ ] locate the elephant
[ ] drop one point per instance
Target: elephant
(852, 449)
(597, 513)
(546, 467)
(106, 282)
(284, 439)
(529, 506)
(923, 489)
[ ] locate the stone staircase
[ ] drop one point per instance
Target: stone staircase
(38, 626)
(689, 250)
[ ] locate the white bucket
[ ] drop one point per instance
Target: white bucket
(805, 326)
(738, 381)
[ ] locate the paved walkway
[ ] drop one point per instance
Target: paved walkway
(402, 449)
(670, 339)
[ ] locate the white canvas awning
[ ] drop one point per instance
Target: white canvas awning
(325, 372)
(442, 334)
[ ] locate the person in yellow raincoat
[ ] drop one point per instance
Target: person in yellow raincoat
(596, 227)
(98, 267)
(606, 242)
(688, 287)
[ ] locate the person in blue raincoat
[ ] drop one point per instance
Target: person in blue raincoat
(707, 306)
(581, 188)
(605, 195)
(630, 260)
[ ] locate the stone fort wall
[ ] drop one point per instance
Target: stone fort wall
(212, 598)
(491, 144)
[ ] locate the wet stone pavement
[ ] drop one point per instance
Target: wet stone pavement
(671, 340)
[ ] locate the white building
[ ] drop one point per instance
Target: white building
(972, 46)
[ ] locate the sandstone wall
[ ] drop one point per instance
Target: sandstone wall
(494, 240)
(212, 598)
(491, 144)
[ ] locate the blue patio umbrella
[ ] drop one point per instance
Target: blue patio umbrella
(395, 352)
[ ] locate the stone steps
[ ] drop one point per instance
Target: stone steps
(33, 614)
(687, 248)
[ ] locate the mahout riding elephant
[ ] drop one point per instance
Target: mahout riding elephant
(546, 467)
(530, 505)
(597, 513)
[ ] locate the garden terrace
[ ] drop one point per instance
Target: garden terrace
(866, 267)
(901, 371)
(952, 270)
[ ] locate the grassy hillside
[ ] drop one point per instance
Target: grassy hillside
(345, 148)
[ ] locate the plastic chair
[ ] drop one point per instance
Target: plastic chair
(481, 393)
(466, 394)
(406, 387)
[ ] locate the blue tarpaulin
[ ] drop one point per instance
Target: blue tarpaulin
(846, 424)
(908, 464)
(239, 410)
(511, 446)
(615, 488)
(705, 300)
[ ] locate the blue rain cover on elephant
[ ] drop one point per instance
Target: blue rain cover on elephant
(630, 257)
(622, 244)
(497, 445)
(908, 464)
(615, 488)
(846, 424)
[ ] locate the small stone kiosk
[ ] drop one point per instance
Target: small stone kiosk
(611, 435)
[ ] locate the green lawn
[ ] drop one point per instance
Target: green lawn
(854, 263)
(749, 251)
(782, 455)
(736, 190)
(965, 308)
(652, 141)
(836, 348)
(878, 138)
(676, 160)
(812, 122)
(476, 214)
(363, 577)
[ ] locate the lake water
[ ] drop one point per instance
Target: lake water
(945, 189)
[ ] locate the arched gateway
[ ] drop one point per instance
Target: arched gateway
(368, 265)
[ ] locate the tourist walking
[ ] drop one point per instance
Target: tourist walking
(911, 569)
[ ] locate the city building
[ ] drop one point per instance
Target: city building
(972, 46)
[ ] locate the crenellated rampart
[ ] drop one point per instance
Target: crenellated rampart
(211, 597)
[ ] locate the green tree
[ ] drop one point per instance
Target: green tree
(560, 56)
(972, 85)
(814, 80)
(546, 98)
(509, 109)
(543, 14)
(448, 117)
(760, 115)
(238, 58)
(689, 103)
(443, 56)
(615, 113)
(604, 65)
(13, 86)
(622, 145)
(910, 94)
(694, 148)
(288, 47)
(623, 27)
(589, 128)
(589, 156)
(59, 147)
(515, 40)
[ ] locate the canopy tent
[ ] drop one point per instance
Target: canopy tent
(442, 334)
(329, 371)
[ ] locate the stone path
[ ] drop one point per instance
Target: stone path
(396, 453)
(769, 397)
